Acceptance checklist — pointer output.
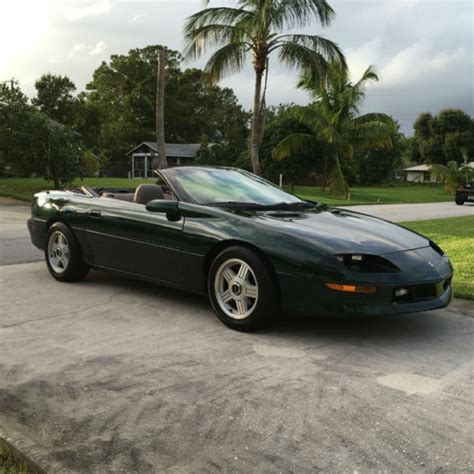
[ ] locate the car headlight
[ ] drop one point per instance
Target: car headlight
(367, 263)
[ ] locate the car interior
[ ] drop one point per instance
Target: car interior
(142, 195)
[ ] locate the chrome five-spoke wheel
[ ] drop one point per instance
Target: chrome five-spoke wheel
(242, 289)
(236, 288)
(58, 252)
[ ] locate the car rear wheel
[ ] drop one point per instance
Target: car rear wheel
(242, 289)
(459, 201)
(63, 254)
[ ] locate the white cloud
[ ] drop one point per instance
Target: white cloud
(137, 17)
(75, 50)
(418, 61)
(360, 58)
(99, 48)
(91, 9)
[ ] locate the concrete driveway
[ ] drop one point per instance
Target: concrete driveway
(116, 375)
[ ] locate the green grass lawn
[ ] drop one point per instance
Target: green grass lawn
(401, 194)
(24, 188)
(9, 463)
(456, 237)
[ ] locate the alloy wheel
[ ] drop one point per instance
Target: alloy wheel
(236, 288)
(58, 252)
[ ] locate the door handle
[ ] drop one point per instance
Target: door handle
(94, 213)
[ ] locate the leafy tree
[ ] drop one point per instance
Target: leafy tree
(377, 165)
(33, 144)
(282, 121)
(333, 119)
(12, 95)
(22, 134)
(63, 157)
(55, 97)
(256, 27)
(120, 105)
(440, 138)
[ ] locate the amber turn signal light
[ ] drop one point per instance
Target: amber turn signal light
(352, 288)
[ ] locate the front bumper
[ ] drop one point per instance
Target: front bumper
(313, 298)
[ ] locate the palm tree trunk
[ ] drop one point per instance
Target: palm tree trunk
(160, 110)
(325, 170)
(344, 186)
(257, 121)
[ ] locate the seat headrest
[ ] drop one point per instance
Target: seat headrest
(147, 192)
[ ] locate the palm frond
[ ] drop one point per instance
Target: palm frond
(297, 56)
(225, 61)
(374, 117)
(370, 74)
(312, 118)
(295, 144)
(326, 48)
(371, 135)
(299, 13)
(218, 15)
(212, 35)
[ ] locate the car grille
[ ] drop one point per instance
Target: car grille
(422, 292)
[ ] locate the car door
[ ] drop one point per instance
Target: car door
(125, 236)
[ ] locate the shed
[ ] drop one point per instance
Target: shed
(144, 157)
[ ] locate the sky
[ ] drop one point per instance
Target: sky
(423, 50)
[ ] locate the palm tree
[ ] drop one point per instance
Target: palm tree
(255, 27)
(333, 118)
(160, 109)
(454, 175)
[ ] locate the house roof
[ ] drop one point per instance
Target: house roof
(428, 167)
(178, 150)
(418, 168)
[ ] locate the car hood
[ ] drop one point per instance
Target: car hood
(343, 231)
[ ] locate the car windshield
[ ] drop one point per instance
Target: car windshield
(228, 187)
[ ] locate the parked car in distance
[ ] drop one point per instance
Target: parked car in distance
(253, 248)
(465, 193)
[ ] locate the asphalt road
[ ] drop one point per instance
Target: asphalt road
(415, 212)
(15, 244)
(112, 374)
(116, 375)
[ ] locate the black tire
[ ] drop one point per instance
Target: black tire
(75, 269)
(459, 201)
(261, 309)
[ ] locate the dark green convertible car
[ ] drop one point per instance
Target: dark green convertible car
(253, 248)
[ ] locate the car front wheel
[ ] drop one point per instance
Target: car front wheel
(459, 201)
(63, 254)
(242, 289)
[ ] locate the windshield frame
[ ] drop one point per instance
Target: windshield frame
(169, 175)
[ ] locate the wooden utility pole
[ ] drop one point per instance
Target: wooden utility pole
(160, 110)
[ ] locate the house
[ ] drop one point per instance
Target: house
(422, 174)
(419, 174)
(144, 157)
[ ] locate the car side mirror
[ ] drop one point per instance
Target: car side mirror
(164, 206)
